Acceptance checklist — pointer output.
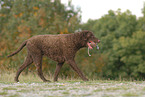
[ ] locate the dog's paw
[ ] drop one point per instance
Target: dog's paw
(86, 79)
(46, 81)
(16, 80)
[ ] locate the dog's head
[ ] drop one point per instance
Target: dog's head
(90, 39)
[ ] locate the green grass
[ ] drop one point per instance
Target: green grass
(9, 78)
(131, 94)
(3, 93)
(113, 89)
(15, 95)
(9, 88)
(25, 90)
(31, 85)
(55, 89)
(66, 92)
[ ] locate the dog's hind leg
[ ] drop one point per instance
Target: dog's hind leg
(38, 63)
(26, 63)
(57, 70)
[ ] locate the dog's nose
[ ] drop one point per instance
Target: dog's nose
(99, 40)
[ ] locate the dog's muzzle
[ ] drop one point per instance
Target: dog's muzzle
(91, 45)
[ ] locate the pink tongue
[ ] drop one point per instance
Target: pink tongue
(89, 46)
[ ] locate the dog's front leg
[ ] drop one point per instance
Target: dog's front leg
(76, 69)
(57, 70)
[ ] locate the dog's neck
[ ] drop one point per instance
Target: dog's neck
(78, 40)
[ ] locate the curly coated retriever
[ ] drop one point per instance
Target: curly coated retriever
(60, 48)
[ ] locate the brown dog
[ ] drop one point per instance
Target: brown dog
(60, 48)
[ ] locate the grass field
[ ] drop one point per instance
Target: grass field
(32, 86)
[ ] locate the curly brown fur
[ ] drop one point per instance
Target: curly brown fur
(60, 48)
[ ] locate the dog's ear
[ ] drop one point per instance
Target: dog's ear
(87, 35)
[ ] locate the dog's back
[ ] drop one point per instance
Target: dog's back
(49, 45)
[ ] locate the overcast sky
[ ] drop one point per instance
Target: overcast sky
(95, 9)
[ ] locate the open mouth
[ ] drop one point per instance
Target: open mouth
(91, 45)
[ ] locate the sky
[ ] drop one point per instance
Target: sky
(95, 9)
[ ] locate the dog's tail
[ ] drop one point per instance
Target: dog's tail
(19, 49)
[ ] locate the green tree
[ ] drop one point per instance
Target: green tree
(132, 55)
(110, 29)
